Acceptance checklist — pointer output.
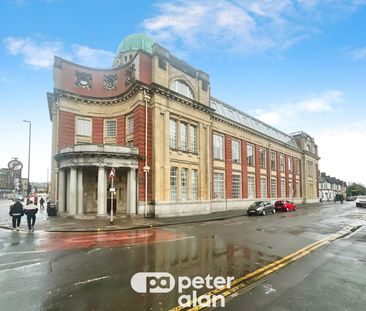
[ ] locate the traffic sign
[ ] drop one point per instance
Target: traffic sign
(15, 165)
(112, 174)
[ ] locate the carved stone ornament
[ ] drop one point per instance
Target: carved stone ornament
(110, 82)
(83, 79)
(130, 74)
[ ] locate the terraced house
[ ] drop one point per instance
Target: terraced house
(176, 150)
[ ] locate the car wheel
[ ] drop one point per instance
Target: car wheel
(357, 205)
(264, 212)
(287, 209)
(294, 208)
(274, 211)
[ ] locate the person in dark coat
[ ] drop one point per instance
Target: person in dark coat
(16, 212)
(41, 202)
(31, 210)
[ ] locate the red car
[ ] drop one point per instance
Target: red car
(284, 206)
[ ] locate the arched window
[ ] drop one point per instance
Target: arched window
(182, 87)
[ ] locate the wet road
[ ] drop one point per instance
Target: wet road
(92, 271)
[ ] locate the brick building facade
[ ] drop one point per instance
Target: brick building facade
(176, 149)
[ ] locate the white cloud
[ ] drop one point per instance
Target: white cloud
(358, 54)
(38, 52)
(242, 26)
(342, 151)
(293, 110)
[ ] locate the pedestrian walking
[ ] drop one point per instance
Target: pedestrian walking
(31, 210)
(41, 202)
(16, 212)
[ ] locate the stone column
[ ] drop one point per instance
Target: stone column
(131, 191)
(61, 190)
(73, 191)
(101, 192)
(80, 195)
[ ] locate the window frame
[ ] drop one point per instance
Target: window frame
(238, 158)
(215, 148)
(250, 157)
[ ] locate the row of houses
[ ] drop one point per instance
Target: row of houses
(329, 187)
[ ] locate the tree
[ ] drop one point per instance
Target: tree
(355, 189)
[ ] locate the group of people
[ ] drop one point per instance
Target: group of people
(17, 211)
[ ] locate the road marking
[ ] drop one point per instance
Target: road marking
(24, 252)
(258, 274)
(21, 267)
(93, 280)
(17, 262)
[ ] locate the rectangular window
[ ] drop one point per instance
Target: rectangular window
(218, 145)
(310, 168)
(184, 183)
(83, 127)
(183, 136)
(263, 187)
(235, 150)
(263, 158)
(194, 184)
(250, 155)
(218, 185)
(282, 162)
(173, 134)
(173, 183)
(289, 163)
(273, 187)
(251, 187)
(129, 125)
(298, 189)
(273, 161)
(290, 189)
(283, 188)
(193, 138)
(236, 186)
(110, 128)
(297, 163)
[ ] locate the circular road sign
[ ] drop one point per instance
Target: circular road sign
(15, 165)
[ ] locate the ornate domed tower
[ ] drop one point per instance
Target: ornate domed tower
(130, 46)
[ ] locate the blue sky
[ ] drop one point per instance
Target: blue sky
(297, 65)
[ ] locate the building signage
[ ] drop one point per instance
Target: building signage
(15, 165)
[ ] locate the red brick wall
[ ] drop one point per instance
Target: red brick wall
(244, 163)
(268, 173)
(229, 167)
(139, 142)
(66, 129)
(286, 177)
(145, 68)
(278, 162)
(257, 172)
(98, 133)
(121, 128)
(300, 165)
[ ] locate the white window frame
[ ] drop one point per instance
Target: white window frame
(107, 128)
(84, 127)
(218, 152)
(173, 183)
(235, 151)
(184, 183)
(130, 124)
(251, 187)
(173, 131)
(273, 160)
(183, 136)
(250, 155)
(192, 138)
(182, 87)
(219, 185)
(283, 188)
(273, 187)
(263, 187)
(263, 157)
(236, 186)
(194, 184)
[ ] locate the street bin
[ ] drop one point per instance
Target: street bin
(51, 209)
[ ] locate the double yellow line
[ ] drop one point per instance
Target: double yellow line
(252, 277)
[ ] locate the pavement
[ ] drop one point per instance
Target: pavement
(86, 223)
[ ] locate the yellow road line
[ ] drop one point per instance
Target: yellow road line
(260, 273)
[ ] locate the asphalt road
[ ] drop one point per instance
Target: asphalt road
(92, 271)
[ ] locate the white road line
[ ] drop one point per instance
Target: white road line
(92, 280)
(17, 262)
(24, 252)
(21, 267)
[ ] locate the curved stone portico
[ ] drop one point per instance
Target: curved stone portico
(83, 179)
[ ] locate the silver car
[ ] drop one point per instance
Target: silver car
(361, 201)
(261, 208)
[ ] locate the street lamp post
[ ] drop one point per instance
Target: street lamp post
(29, 148)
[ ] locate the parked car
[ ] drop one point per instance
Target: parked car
(284, 206)
(361, 201)
(261, 208)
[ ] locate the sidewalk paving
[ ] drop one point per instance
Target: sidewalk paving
(63, 223)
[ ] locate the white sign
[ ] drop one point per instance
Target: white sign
(112, 189)
(112, 174)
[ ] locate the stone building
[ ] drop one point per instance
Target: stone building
(176, 149)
